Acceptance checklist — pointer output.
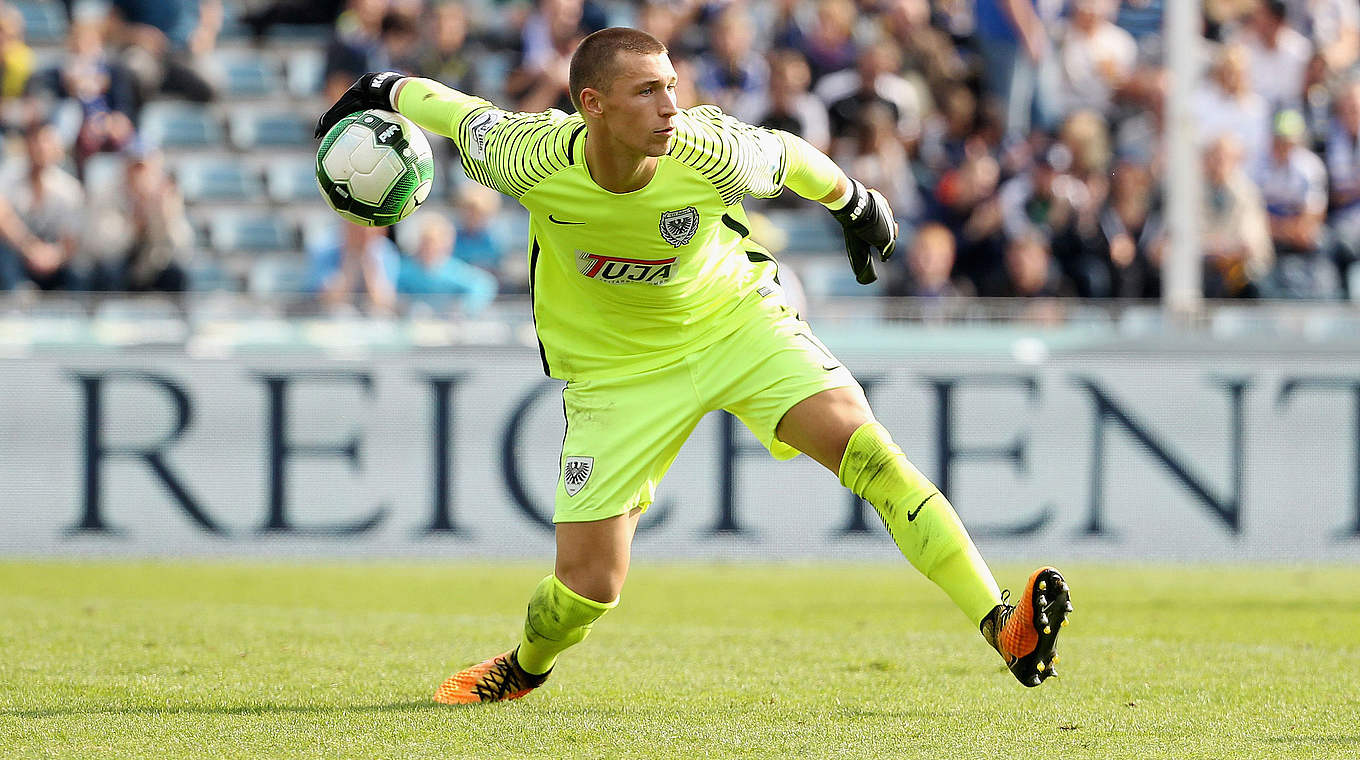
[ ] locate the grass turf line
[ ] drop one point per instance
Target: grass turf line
(193, 660)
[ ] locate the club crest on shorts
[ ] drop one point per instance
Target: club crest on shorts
(575, 472)
(678, 226)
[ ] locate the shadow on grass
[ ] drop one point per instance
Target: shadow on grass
(391, 707)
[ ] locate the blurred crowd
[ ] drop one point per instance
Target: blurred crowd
(1019, 141)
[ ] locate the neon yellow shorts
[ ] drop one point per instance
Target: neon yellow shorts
(624, 433)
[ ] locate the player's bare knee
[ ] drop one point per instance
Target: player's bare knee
(595, 579)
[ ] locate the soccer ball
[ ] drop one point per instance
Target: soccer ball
(374, 167)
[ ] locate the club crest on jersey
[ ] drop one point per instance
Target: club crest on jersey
(575, 472)
(617, 270)
(678, 226)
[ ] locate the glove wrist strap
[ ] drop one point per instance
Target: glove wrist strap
(843, 200)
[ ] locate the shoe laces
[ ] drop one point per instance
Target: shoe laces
(998, 620)
(503, 679)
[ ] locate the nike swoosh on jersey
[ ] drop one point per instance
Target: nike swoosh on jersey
(554, 220)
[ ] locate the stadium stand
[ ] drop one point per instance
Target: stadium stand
(956, 145)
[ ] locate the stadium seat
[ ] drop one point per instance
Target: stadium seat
(278, 274)
(305, 69)
(180, 125)
(234, 232)
(808, 233)
(270, 129)
(319, 228)
(218, 180)
(292, 180)
(43, 22)
(210, 276)
(247, 74)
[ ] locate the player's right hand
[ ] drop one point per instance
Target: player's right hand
(868, 223)
(368, 91)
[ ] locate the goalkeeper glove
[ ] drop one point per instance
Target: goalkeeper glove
(368, 91)
(868, 225)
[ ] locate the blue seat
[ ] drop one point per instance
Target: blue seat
(292, 180)
(218, 180)
(250, 76)
(305, 71)
(277, 275)
(231, 232)
(180, 125)
(271, 129)
(44, 22)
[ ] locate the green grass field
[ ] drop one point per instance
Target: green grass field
(203, 660)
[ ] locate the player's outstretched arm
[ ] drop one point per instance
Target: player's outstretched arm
(863, 213)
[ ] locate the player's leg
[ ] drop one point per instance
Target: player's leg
(815, 406)
(836, 428)
(622, 435)
(592, 563)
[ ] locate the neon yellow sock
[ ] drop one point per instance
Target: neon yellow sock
(919, 518)
(558, 618)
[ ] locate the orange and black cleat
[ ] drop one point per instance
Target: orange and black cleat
(1026, 635)
(494, 680)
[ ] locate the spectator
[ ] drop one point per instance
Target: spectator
(20, 248)
(1238, 253)
(103, 87)
(400, 40)
(356, 48)
(50, 204)
(924, 48)
(447, 56)
(1333, 26)
(16, 58)
(1278, 56)
(360, 261)
(789, 105)
(875, 156)
(1043, 201)
(1293, 183)
(829, 46)
(434, 277)
(1343, 164)
(848, 94)
(1018, 62)
(733, 71)
(929, 267)
(1227, 105)
(165, 44)
(143, 239)
(1097, 57)
(549, 37)
(946, 133)
(482, 240)
(1143, 20)
(965, 202)
(1030, 271)
(1132, 233)
(263, 16)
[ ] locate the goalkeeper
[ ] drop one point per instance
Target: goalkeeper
(654, 305)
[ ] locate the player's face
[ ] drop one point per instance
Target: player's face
(640, 104)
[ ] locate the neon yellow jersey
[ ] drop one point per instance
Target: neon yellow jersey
(626, 282)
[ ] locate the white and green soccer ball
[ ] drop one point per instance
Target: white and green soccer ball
(374, 167)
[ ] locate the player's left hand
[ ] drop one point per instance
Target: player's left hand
(868, 223)
(368, 91)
